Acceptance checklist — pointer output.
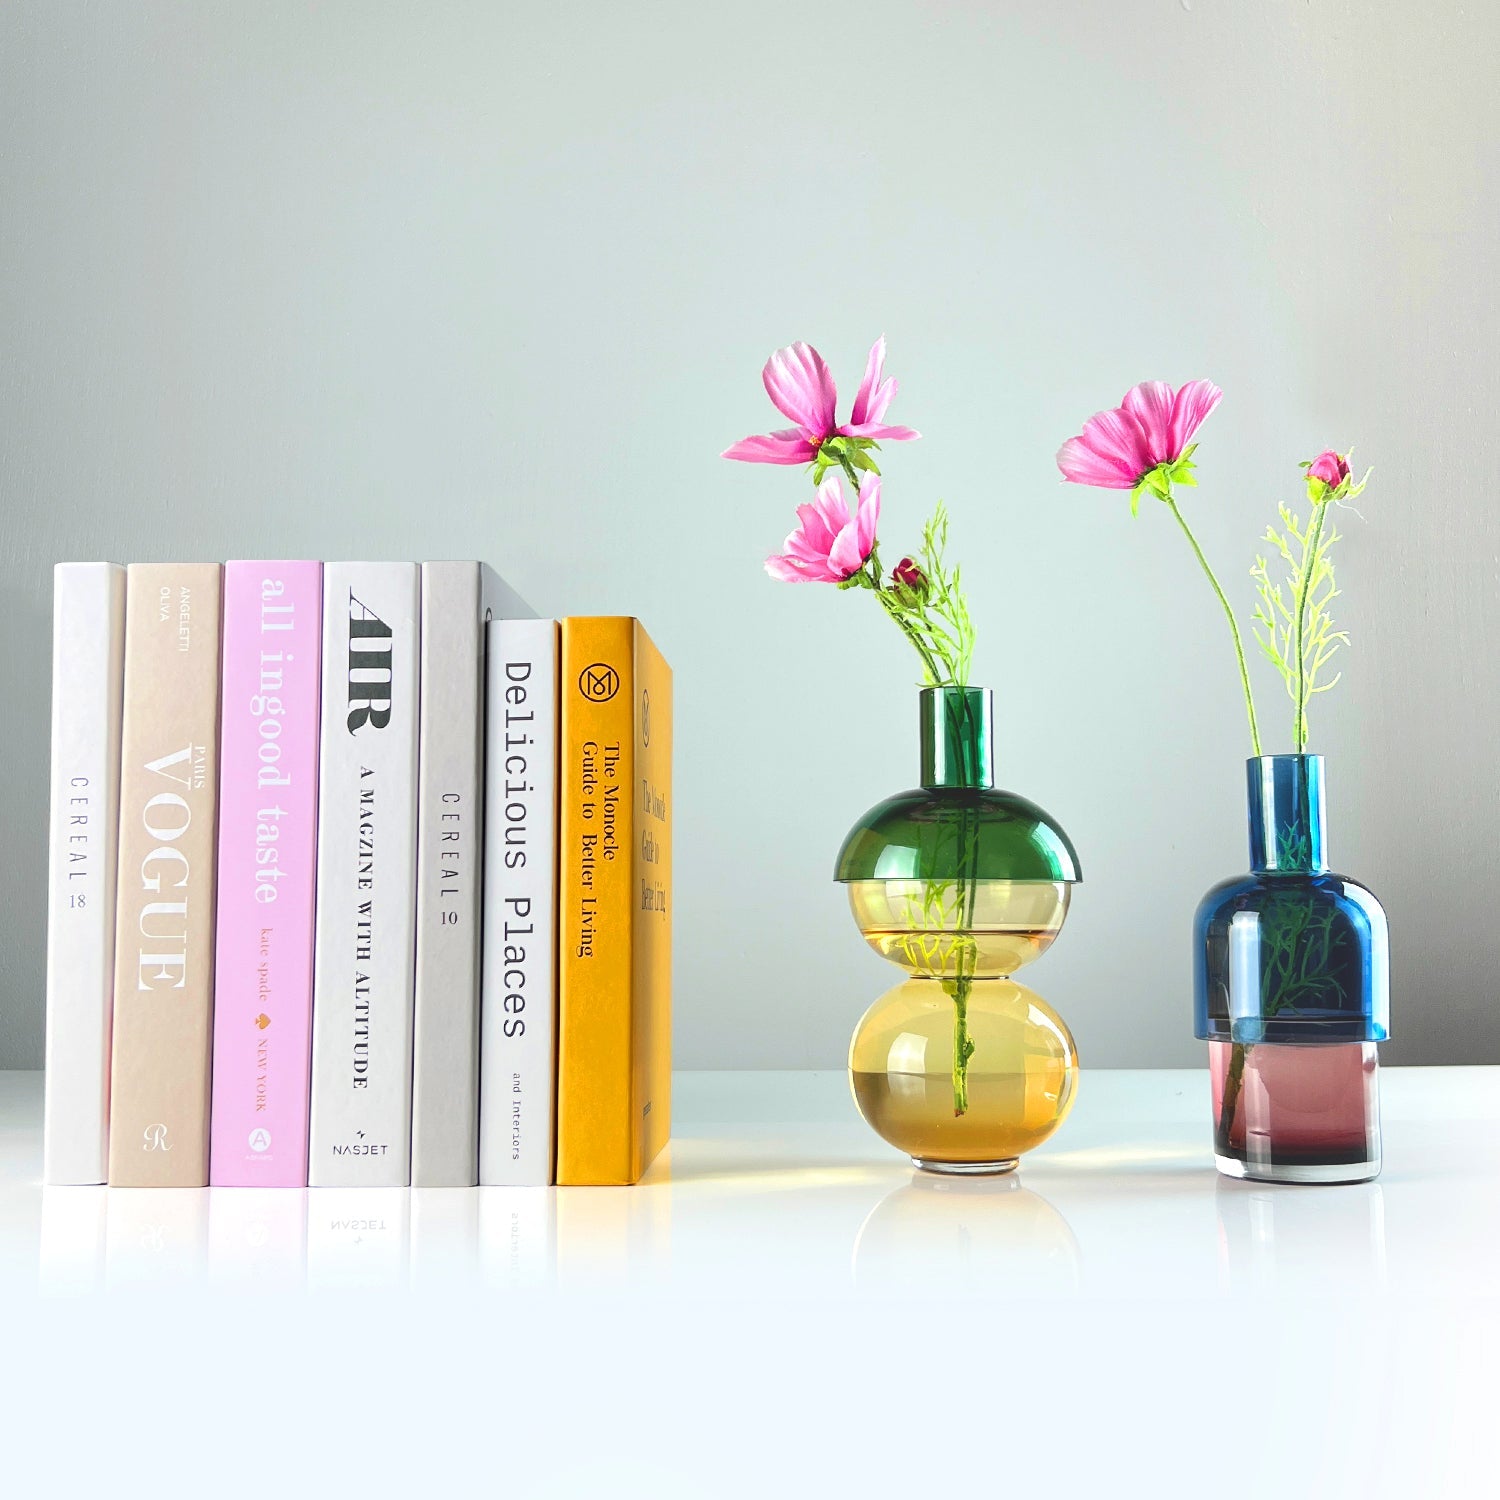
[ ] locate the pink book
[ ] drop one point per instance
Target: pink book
(268, 832)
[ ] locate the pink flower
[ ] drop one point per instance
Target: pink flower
(1330, 467)
(907, 575)
(801, 387)
(829, 545)
(1152, 426)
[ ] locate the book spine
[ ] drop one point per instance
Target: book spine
(363, 967)
(88, 663)
(268, 803)
(651, 902)
(445, 1067)
(169, 786)
(517, 1092)
(596, 779)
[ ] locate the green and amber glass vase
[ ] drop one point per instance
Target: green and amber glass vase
(960, 884)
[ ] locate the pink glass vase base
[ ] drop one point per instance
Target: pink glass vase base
(1307, 1113)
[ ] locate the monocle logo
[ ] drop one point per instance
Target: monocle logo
(645, 717)
(260, 1139)
(599, 682)
(155, 1138)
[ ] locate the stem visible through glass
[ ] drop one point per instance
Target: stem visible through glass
(1230, 1102)
(964, 949)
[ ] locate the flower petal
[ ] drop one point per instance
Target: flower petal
(1193, 403)
(1150, 403)
(1117, 441)
(845, 557)
(831, 505)
(815, 532)
(872, 398)
(868, 516)
(795, 570)
(801, 387)
(785, 447)
(1080, 464)
(787, 571)
(1329, 467)
(879, 431)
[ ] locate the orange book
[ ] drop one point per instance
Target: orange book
(614, 1061)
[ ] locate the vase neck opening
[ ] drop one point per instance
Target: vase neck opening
(1288, 828)
(958, 745)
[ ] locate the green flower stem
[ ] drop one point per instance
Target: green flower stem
(1299, 728)
(963, 1048)
(966, 953)
(1234, 629)
(1235, 1077)
(892, 607)
(851, 472)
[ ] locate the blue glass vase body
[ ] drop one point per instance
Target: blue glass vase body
(1292, 993)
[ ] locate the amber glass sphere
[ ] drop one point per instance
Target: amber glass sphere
(1021, 1077)
(927, 928)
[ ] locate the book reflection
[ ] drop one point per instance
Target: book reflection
(71, 1249)
(357, 1237)
(155, 1237)
(257, 1237)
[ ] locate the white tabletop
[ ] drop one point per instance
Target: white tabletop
(783, 1283)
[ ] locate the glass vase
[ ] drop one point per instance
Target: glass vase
(1292, 994)
(959, 884)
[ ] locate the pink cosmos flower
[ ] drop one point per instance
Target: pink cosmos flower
(1153, 425)
(1330, 467)
(801, 387)
(829, 545)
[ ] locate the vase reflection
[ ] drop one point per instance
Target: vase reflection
(963, 1232)
(1270, 1238)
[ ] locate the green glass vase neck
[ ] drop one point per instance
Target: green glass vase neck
(958, 740)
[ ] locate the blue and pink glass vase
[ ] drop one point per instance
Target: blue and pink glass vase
(1292, 991)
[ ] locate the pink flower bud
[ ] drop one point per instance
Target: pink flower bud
(907, 575)
(1330, 468)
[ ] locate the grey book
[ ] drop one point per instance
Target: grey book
(458, 598)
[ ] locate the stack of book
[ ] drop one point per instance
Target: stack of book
(360, 876)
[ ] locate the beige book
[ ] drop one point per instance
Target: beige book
(169, 791)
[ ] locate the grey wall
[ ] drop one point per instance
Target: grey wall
(494, 280)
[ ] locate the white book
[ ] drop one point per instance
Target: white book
(363, 968)
(458, 598)
(518, 1027)
(88, 669)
